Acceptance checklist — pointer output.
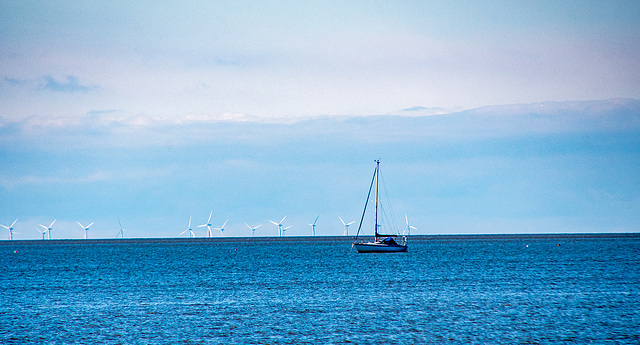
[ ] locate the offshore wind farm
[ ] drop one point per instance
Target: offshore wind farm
(46, 230)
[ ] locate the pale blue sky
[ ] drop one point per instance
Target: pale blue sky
(551, 167)
(157, 111)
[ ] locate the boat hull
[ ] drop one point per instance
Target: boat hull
(378, 247)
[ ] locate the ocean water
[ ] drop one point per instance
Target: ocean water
(503, 289)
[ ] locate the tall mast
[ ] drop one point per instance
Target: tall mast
(377, 181)
(366, 202)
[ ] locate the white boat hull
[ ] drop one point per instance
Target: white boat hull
(378, 247)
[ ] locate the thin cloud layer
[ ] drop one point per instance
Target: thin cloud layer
(274, 60)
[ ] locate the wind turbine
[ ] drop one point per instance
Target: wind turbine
(49, 228)
(43, 232)
(409, 227)
(253, 230)
(10, 228)
(222, 228)
(346, 226)
(279, 225)
(121, 232)
(86, 228)
(208, 225)
(313, 226)
(189, 230)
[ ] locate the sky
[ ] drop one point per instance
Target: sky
(212, 59)
(158, 111)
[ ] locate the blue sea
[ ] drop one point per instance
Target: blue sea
(498, 289)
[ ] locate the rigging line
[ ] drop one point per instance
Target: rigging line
(387, 221)
(367, 201)
(390, 218)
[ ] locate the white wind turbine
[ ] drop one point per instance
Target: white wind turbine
(10, 228)
(407, 231)
(49, 228)
(121, 232)
(208, 225)
(86, 229)
(222, 228)
(43, 232)
(189, 230)
(346, 226)
(279, 225)
(253, 230)
(313, 226)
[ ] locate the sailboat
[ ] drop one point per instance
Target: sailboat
(382, 243)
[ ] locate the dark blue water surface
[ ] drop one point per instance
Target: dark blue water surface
(520, 289)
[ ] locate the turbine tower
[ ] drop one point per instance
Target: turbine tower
(279, 225)
(222, 228)
(121, 232)
(208, 225)
(43, 232)
(409, 227)
(253, 230)
(10, 228)
(49, 228)
(86, 228)
(346, 226)
(313, 226)
(189, 230)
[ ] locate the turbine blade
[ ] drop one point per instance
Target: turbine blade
(88, 226)
(82, 226)
(4, 226)
(250, 228)
(189, 222)
(14, 223)
(258, 226)
(209, 221)
(44, 226)
(350, 223)
(314, 222)
(342, 220)
(52, 222)
(202, 226)
(274, 223)
(285, 217)
(225, 223)
(119, 223)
